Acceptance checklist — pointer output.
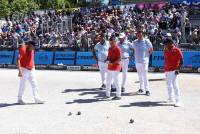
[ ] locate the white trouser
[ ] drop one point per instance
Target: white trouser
(125, 63)
(113, 75)
(172, 86)
(30, 76)
(103, 71)
(142, 70)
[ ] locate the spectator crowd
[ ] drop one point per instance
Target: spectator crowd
(78, 30)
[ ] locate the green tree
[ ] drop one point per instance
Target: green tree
(23, 6)
(4, 8)
(61, 4)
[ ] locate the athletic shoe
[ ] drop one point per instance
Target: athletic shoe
(39, 101)
(170, 100)
(113, 89)
(178, 104)
(140, 91)
(107, 95)
(147, 93)
(103, 87)
(117, 98)
(123, 89)
(21, 102)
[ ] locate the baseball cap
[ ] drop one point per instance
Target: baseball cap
(31, 42)
(122, 35)
(168, 34)
(113, 38)
(168, 41)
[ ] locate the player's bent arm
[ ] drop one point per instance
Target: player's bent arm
(19, 68)
(151, 50)
(94, 54)
(180, 64)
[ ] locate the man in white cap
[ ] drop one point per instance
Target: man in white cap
(102, 48)
(125, 49)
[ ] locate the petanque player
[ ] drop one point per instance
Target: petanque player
(142, 50)
(114, 67)
(100, 53)
(26, 67)
(173, 61)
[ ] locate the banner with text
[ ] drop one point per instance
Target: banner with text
(85, 58)
(44, 58)
(6, 57)
(190, 59)
(65, 58)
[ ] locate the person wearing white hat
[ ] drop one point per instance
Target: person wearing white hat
(125, 48)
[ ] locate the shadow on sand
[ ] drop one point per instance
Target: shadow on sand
(148, 104)
(2, 105)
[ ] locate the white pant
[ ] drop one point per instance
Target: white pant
(103, 71)
(113, 75)
(172, 86)
(142, 70)
(30, 76)
(125, 63)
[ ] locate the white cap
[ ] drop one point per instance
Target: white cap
(168, 34)
(122, 35)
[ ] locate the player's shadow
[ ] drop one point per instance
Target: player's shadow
(8, 105)
(153, 80)
(98, 95)
(131, 94)
(81, 90)
(148, 104)
(2, 105)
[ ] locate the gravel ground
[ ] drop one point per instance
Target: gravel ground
(67, 93)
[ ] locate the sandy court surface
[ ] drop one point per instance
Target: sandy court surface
(66, 92)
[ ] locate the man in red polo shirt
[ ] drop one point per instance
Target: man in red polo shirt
(173, 61)
(114, 67)
(26, 67)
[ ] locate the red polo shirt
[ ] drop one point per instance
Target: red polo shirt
(114, 53)
(172, 59)
(26, 57)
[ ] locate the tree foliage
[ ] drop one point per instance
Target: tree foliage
(16, 7)
(4, 8)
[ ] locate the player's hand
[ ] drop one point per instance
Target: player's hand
(107, 62)
(20, 74)
(95, 58)
(177, 72)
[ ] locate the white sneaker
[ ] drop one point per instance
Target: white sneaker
(178, 104)
(107, 95)
(21, 102)
(39, 101)
(170, 100)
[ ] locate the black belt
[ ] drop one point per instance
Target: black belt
(125, 58)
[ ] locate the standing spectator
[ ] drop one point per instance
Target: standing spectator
(173, 61)
(114, 67)
(142, 49)
(102, 48)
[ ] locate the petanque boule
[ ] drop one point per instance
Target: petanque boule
(131, 121)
